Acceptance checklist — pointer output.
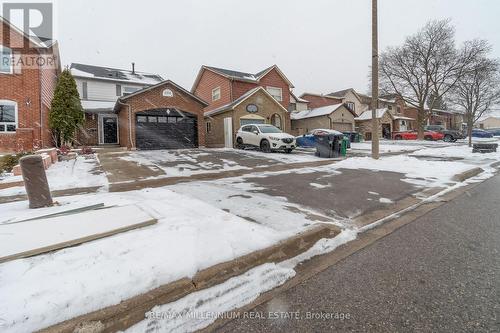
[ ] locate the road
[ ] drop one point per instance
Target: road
(440, 273)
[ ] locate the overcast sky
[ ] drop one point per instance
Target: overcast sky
(321, 45)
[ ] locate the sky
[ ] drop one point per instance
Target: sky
(320, 45)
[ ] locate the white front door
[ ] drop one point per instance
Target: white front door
(402, 126)
(228, 132)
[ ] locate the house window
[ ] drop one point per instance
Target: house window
(162, 119)
(6, 64)
(351, 106)
(276, 120)
(209, 127)
(129, 90)
(277, 93)
(84, 90)
(8, 116)
(167, 93)
(142, 119)
(118, 90)
(216, 94)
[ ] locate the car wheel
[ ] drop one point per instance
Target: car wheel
(428, 138)
(239, 143)
(448, 138)
(265, 146)
(288, 151)
(398, 137)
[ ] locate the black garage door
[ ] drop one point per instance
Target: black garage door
(166, 129)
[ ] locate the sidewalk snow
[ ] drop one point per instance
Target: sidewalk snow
(80, 172)
(190, 235)
(464, 152)
(201, 308)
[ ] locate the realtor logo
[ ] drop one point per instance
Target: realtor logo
(34, 19)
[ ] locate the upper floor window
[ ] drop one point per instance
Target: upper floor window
(130, 90)
(216, 94)
(8, 116)
(351, 106)
(85, 90)
(277, 93)
(5, 60)
(118, 90)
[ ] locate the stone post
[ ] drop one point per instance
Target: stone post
(35, 181)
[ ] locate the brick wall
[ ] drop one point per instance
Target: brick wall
(88, 134)
(365, 127)
(319, 101)
(208, 81)
(26, 88)
(273, 79)
(153, 99)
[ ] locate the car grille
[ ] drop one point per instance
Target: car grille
(287, 140)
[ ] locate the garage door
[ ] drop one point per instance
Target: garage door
(166, 129)
(342, 127)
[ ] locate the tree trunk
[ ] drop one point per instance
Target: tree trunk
(421, 123)
(469, 131)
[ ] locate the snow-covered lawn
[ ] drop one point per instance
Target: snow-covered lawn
(78, 173)
(190, 235)
(462, 152)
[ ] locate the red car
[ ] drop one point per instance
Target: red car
(413, 135)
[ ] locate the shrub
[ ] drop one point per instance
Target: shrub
(87, 150)
(7, 162)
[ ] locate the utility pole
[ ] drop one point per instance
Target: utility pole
(375, 140)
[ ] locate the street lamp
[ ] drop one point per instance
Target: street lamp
(375, 141)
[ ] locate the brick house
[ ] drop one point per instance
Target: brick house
(234, 99)
(99, 89)
(317, 100)
(162, 116)
(26, 89)
(385, 121)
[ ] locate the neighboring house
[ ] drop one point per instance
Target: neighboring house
(385, 119)
(297, 103)
(256, 106)
(317, 100)
(490, 122)
(450, 119)
(227, 92)
(99, 89)
(337, 117)
(403, 118)
(162, 116)
(349, 97)
(26, 90)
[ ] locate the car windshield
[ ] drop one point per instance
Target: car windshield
(269, 129)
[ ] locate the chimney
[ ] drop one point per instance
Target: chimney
(133, 68)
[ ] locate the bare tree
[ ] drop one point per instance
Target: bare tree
(477, 91)
(427, 64)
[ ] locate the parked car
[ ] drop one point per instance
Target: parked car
(266, 137)
(308, 139)
(479, 133)
(413, 135)
(494, 131)
(449, 135)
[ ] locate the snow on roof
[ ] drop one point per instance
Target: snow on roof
(98, 105)
(322, 111)
(113, 74)
(368, 114)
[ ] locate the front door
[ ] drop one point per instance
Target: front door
(110, 130)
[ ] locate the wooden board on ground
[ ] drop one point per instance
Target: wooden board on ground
(34, 237)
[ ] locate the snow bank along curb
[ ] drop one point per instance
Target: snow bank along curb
(463, 176)
(129, 312)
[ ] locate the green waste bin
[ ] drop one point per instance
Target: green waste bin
(343, 147)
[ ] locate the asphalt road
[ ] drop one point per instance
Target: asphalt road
(440, 273)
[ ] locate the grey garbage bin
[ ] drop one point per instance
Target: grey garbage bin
(328, 144)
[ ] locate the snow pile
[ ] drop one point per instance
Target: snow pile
(77, 173)
(190, 235)
(464, 152)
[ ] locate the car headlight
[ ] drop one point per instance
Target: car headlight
(274, 138)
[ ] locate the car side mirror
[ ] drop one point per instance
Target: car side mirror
(256, 132)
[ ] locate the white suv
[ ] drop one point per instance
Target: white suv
(267, 137)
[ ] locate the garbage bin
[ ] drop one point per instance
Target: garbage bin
(328, 144)
(348, 138)
(343, 148)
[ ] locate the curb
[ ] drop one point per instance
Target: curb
(463, 176)
(131, 311)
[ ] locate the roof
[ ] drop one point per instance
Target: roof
(317, 112)
(400, 117)
(319, 95)
(240, 76)
(97, 106)
(138, 92)
(298, 99)
(114, 74)
(240, 100)
(367, 115)
(366, 99)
